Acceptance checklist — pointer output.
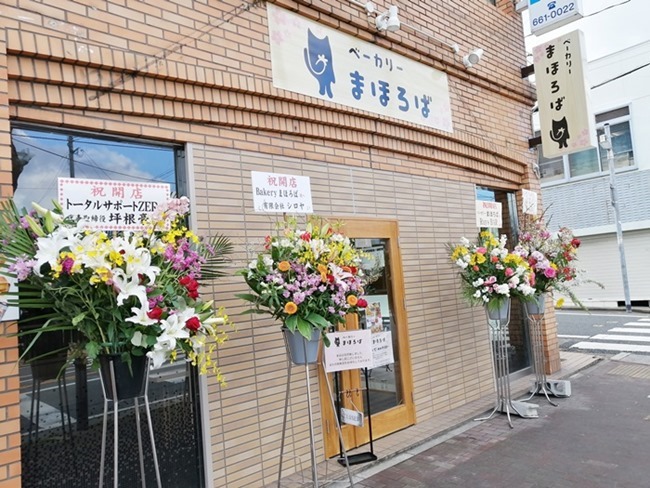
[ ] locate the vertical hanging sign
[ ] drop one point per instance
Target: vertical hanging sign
(566, 120)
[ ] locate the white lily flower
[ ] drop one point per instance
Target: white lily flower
(129, 286)
(140, 316)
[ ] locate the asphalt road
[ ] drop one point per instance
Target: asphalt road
(604, 332)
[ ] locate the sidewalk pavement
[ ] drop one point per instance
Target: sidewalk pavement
(597, 438)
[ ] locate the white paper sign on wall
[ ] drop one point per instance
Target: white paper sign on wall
(382, 349)
(546, 15)
(280, 193)
(348, 350)
(488, 215)
(529, 202)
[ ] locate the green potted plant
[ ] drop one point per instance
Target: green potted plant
(308, 279)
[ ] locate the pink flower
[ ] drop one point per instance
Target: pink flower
(490, 280)
(550, 273)
(481, 250)
(509, 272)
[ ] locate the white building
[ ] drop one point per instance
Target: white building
(576, 188)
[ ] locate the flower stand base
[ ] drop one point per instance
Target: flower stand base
(113, 373)
(500, 342)
(542, 385)
(287, 399)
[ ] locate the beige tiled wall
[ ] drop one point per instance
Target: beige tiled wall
(449, 347)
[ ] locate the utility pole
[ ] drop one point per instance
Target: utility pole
(71, 152)
(606, 143)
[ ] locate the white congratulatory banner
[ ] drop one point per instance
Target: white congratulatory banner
(565, 116)
(488, 215)
(348, 350)
(318, 61)
(529, 202)
(546, 15)
(274, 192)
(110, 205)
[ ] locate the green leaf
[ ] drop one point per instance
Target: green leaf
(93, 349)
(304, 328)
(291, 322)
(317, 320)
(78, 318)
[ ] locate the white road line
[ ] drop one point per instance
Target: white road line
(623, 338)
(622, 315)
(643, 324)
(631, 330)
(599, 346)
(573, 337)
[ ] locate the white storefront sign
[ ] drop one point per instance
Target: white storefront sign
(488, 215)
(321, 62)
(529, 202)
(546, 15)
(110, 205)
(566, 120)
(273, 192)
(348, 350)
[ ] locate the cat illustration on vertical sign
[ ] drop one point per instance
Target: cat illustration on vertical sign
(560, 132)
(318, 58)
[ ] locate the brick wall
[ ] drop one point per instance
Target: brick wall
(9, 382)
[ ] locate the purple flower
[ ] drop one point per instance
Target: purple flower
(66, 265)
(22, 267)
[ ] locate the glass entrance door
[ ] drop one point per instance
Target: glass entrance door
(386, 393)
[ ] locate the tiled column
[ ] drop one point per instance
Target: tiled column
(9, 380)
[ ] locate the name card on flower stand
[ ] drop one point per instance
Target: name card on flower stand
(348, 350)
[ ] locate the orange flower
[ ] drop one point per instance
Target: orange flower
(284, 266)
(322, 268)
(352, 300)
(290, 308)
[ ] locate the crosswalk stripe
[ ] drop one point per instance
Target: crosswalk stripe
(572, 337)
(631, 330)
(599, 346)
(644, 324)
(624, 338)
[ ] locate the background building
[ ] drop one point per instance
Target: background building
(576, 188)
(193, 93)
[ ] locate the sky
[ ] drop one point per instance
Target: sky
(606, 32)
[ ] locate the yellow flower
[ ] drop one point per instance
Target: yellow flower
(559, 303)
(284, 266)
(352, 300)
(290, 308)
(459, 251)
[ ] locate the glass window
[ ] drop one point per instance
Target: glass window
(621, 144)
(593, 161)
(584, 162)
(40, 156)
(551, 169)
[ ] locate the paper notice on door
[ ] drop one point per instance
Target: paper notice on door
(351, 417)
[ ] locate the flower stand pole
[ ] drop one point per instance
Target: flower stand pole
(558, 388)
(498, 320)
(115, 391)
(298, 353)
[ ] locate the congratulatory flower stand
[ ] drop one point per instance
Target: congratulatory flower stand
(490, 276)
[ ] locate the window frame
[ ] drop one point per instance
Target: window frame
(601, 121)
